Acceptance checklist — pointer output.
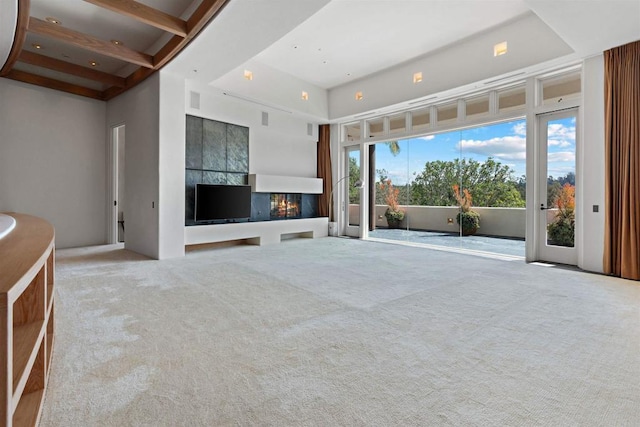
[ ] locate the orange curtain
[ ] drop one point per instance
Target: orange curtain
(622, 161)
(324, 168)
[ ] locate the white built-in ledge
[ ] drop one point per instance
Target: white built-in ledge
(284, 184)
(257, 233)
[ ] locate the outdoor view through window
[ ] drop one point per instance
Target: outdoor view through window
(470, 183)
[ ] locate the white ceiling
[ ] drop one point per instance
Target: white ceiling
(349, 39)
(325, 45)
(322, 45)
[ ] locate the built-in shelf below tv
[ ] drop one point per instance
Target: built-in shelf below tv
(222, 203)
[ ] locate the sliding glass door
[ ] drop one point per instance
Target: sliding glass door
(462, 189)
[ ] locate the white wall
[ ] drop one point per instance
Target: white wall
(171, 165)
(591, 164)
(138, 110)
(52, 160)
(281, 148)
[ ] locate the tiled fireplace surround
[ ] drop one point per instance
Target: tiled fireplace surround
(218, 153)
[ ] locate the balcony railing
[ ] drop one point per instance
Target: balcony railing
(503, 222)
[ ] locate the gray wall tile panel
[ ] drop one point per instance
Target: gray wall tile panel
(237, 178)
(237, 148)
(309, 206)
(214, 143)
(192, 177)
(260, 205)
(194, 143)
(209, 177)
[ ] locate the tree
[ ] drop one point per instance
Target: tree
(394, 147)
(521, 186)
(490, 182)
(561, 231)
(354, 175)
(555, 186)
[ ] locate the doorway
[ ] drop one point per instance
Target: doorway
(117, 199)
(556, 187)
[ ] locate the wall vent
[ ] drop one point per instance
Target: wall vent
(195, 100)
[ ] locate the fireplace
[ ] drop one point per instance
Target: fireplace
(285, 205)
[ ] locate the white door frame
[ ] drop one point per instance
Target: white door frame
(350, 230)
(545, 252)
(112, 193)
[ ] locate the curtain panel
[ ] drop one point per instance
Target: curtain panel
(622, 161)
(324, 168)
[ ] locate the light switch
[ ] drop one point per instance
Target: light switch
(596, 208)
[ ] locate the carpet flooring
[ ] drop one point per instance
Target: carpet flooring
(339, 332)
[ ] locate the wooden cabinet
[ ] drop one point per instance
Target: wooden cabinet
(26, 319)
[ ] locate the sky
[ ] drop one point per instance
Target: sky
(505, 142)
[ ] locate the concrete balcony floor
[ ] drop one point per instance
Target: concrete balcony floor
(477, 243)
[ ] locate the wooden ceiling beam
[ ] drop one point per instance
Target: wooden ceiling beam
(207, 10)
(203, 14)
(69, 68)
(85, 41)
(146, 14)
(47, 82)
(198, 20)
(19, 37)
(135, 78)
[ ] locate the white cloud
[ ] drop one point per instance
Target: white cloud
(562, 156)
(427, 138)
(520, 129)
(562, 143)
(505, 148)
(557, 131)
(559, 170)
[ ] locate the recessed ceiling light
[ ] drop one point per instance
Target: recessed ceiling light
(93, 63)
(305, 96)
(53, 20)
(117, 42)
(500, 49)
(36, 46)
(359, 96)
(417, 77)
(248, 75)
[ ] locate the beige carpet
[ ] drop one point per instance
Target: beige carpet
(339, 332)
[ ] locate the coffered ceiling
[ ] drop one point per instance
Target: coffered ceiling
(101, 48)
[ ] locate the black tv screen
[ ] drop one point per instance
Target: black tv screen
(222, 202)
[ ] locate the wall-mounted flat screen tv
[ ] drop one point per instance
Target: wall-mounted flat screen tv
(222, 203)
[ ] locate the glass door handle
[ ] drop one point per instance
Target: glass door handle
(542, 207)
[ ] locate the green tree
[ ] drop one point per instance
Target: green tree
(354, 175)
(394, 147)
(434, 185)
(383, 175)
(490, 182)
(521, 185)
